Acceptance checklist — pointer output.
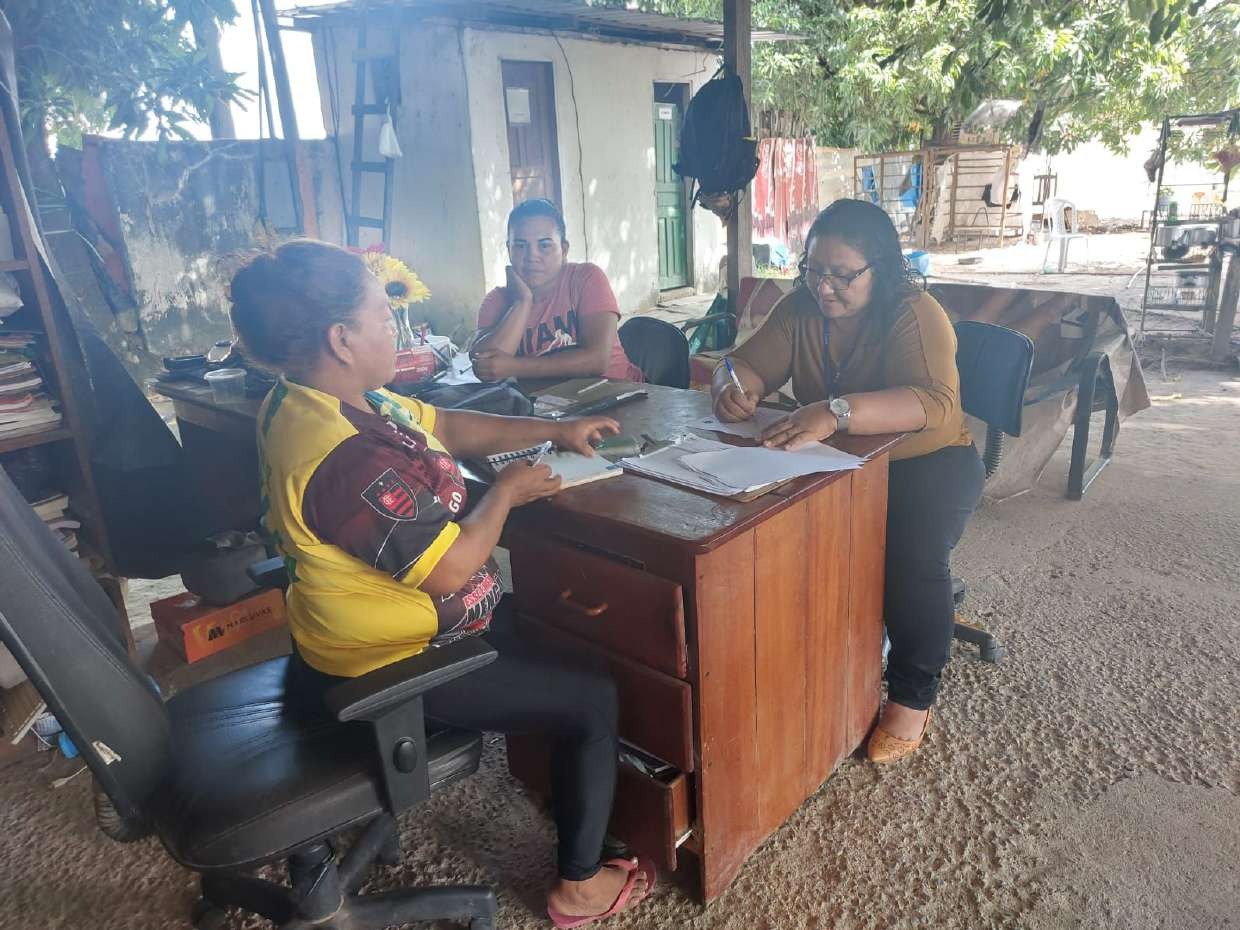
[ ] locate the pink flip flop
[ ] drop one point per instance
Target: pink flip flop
(635, 867)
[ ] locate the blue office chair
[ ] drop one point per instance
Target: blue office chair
(994, 364)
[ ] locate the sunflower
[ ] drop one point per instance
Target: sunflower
(401, 285)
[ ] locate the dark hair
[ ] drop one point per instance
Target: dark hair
(539, 206)
(868, 229)
(285, 299)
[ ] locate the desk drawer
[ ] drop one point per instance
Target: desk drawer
(624, 609)
(651, 814)
(656, 711)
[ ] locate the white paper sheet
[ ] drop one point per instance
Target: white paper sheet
(749, 466)
(748, 429)
(462, 371)
(667, 464)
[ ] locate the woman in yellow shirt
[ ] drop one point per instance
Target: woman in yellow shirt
(868, 351)
(363, 498)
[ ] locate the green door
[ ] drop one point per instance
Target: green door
(669, 192)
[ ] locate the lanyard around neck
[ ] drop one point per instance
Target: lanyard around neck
(832, 373)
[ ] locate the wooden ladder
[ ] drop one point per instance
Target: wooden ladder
(380, 70)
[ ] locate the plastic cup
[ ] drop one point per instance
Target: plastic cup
(227, 385)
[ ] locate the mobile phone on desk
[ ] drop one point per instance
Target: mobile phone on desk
(610, 403)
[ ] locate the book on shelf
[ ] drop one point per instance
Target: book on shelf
(51, 508)
(25, 406)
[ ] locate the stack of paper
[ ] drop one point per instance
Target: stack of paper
(668, 465)
(748, 429)
(717, 468)
(24, 405)
(750, 466)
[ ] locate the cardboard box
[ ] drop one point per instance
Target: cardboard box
(420, 362)
(196, 630)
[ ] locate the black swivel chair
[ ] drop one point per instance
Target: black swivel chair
(659, 349)
(994, 364)
(234, 774)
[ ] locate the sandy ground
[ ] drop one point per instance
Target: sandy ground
(1090, 782)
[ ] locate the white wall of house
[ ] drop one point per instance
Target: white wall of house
(606, 153)
(435, 209)
(453, 189)
(1115, 186)
(835, 174)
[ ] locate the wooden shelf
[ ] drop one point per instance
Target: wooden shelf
(15, 264)
(35, 439)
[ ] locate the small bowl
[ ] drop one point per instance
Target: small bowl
(227, 385)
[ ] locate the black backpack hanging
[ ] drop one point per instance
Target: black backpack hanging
(716, 146)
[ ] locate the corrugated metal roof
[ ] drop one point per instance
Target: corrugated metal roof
(557, 15)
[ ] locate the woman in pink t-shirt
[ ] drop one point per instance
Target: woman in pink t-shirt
(556, 318)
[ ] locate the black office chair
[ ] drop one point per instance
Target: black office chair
(659, 349)
(234, 774)
(994, 364)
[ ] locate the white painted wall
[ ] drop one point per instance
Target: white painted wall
(607, 183)
(435, 208)
(835, 174)
(1111, 185)
(452, 187)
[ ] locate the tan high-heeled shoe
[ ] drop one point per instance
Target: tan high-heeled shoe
(884, 748)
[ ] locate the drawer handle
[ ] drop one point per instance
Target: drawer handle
(566, 598)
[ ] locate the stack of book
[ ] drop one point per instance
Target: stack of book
(25, 406)
(54, 511)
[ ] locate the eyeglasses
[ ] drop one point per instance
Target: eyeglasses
(837, 282)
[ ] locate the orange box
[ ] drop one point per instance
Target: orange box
(197, 630)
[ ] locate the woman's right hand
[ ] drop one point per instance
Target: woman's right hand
(523, 482)
(733, 405)
(518, 291)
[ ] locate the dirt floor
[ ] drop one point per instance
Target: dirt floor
(1089, 782)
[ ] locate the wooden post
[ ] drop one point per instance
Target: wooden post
(299, 171)
(736, 58)
(1007, 170)
(1228, 303)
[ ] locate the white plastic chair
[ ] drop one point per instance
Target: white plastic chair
(1062, 230)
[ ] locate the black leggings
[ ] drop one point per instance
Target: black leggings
(929, 501)
(523, 691)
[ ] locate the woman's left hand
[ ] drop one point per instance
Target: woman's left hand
(580, 435)
(812, 423)
(493, 365)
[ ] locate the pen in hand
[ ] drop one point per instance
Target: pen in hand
(543, 450)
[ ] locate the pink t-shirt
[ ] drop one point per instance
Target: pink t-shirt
(582, 291)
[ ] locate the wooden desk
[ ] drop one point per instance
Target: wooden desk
(744, 638)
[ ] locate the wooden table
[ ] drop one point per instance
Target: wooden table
(744, 638)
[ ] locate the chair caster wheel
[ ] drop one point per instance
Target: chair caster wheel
(206, 916)
(993, 654)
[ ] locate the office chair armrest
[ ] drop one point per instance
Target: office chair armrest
(389, 700)
(370, 696)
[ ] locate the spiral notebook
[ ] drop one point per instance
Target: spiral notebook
(572, 468)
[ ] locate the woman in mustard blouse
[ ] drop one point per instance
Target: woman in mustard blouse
(868, 351)
(364, 499)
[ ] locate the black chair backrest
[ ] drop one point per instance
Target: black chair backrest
(63, 631)
(659, 349)
(994, 364)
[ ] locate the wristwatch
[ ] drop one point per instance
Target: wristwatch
(843, 412)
